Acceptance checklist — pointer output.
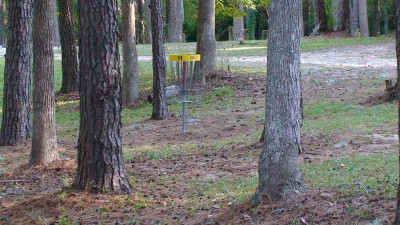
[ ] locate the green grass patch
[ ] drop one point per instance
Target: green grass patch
(356, 175)
(328, 117)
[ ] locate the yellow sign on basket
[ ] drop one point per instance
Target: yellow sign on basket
(185, 57)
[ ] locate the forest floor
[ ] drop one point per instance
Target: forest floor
(208, 175)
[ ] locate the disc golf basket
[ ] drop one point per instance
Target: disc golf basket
(182, 71)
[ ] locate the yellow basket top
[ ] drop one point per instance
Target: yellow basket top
(185, 57)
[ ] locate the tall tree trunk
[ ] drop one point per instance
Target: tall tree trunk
(397, 8)
(130, 84)
(68, 46)
(344, 16)
(56, 37)
(306, 17)
(4, 22)
(149, 36)
(139, 20)
(354, 17)
(238, 25)
(385, 16)
(278, 167)
(321, 22)
(206, 42)
(175, 20)
(16, 101)
(160, 107)
(100, 163)
(44, 139)
(364, 30)
(377, 27)
(335, 12)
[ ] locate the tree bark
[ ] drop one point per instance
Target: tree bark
(100, 163)
(160, 107)
(139, 20)
(68, 46)
(206, 42)
(306, 17)
(4, 23)
(16, 101)
(175, 20)
(335, 12)
(354, 17)
(377, 27)
(278, 167)
(397, 8)
(364, 30)
(44, 139)
(238, 25)
(149, 37)
(321, 22)
(130, 84)
(385, 16)
(344, 16)
(56, 37)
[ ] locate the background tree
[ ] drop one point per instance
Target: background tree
(238, 24)
(56, 37)
(385, 16)
(16, 101)
(306, 17)
(354, 17)
(68, 48)
(100, 163)
(147, 13)
(344, 16)
(321, 21)
(44, 139)
(278, 168)
(130, 84)
(397, 7)
(206, 42)
(3, 16)
(160, 107)
(175, 20)
(363, 13)
(377, 27)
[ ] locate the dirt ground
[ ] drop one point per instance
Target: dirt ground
(170, 190)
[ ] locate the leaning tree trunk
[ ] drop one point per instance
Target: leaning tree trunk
(278, 166)
(160, 107)
(68, 46)
(44, 139)
(364, 30)
(377, 26)
(354, 18)
(100, 163)
(344, 16)
(238, 26)
(16, 101)
(56, 37)
(130, 84)
(321, 22)
(147, 13)
(206, 42)
(175, 20)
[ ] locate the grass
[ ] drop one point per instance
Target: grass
(350, 176)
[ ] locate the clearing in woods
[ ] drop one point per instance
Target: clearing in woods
(348, 159)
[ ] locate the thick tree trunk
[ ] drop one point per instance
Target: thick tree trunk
(344, 16)
(68, 46)
(130, 84)
(364, 30)
(56, 37)
(238, 26)
(16, 101)
(385, 16)
(175, 20)
(100, 163)
(160, 107)
(44, 139)
(397, 8)
(321, 22)
(377, 26)
(206, 42)
(306, 17)
(149, 37)
(278, 167)
(354, 17)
